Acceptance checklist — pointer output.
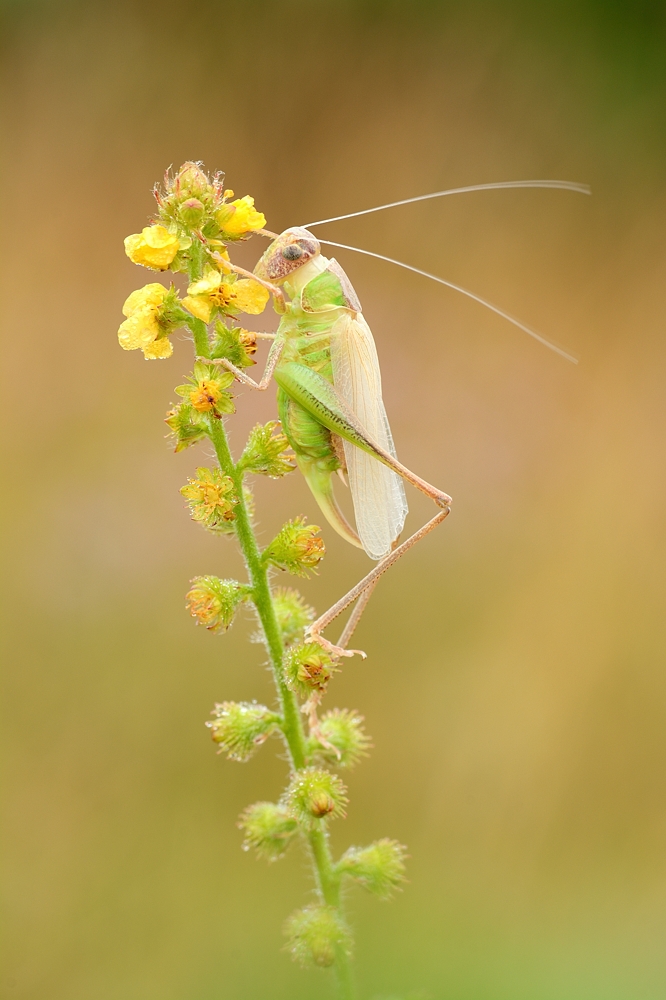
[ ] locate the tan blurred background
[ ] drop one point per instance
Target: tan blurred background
(515, 685)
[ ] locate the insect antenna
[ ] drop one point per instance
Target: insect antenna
(557, 185)
(463, 291)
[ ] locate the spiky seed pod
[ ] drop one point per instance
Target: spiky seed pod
(296, 548)
(316, 936)
(186, 426)
(307, 668)
(269, 828)
(315, 794)
(293, 614)
(241, 727)
(342, 729)
(213, 602)
(265, 452)
(234, 343)
(379, 868)
(211, 498)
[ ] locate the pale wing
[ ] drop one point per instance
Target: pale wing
(379, 499)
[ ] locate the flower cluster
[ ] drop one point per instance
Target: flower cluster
(192, 200)
(196, 219)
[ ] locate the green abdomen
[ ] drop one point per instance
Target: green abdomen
(309, 439)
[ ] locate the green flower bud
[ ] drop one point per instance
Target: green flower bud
(295, 548)
(293, 614)
(186, 426)
(241, 727)
(191, 213)
(307, 668)
(317, 935)
(342, 729)
(379, 868)
(314, 794)
(264, 453)
(213, 602)
(269, 828)
(235, 344)
(224, 214)
(211, 498)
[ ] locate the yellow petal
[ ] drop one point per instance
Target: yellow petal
(153, 247)
(162, 348)
(150, 295)
(139, 330)
(210, 282)
(249, 296)
(245, 218)
(199, 305)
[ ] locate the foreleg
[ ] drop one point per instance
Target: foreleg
(271, 362)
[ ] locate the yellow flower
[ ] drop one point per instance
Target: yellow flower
(211, 292)
(211, 497)
(141, 330)
(245, 217)
(162, 348)
(205, 395)
(153, 294)
(249, 296)
(153, 247)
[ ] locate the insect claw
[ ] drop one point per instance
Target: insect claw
(331, 648)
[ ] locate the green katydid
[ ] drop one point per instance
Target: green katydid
(324, 361)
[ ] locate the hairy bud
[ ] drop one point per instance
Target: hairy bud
(235, 344)
(307, 668)
(241, 727)
(293, 614)
(296, 548)
(269, 828)
(265, 452)
(191, 213)
(316, 936)
(213, 602)
(315, 794)
(186, 426)
(379, 868)
(341, 739)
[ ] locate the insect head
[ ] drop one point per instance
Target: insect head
(292, 249)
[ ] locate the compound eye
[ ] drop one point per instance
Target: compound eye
(292, 252)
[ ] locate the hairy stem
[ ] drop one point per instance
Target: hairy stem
(328, 884)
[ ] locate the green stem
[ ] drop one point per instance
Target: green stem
(328, 883)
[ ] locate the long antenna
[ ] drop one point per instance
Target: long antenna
(558, 185)
(463, 291)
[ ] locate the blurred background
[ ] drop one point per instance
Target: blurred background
(514, 685)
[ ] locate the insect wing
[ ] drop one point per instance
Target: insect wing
(378, 494)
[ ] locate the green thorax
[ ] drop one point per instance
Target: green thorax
(318, 298)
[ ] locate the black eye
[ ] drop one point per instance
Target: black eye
(292, 252)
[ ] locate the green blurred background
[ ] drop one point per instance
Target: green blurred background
(514, 686)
